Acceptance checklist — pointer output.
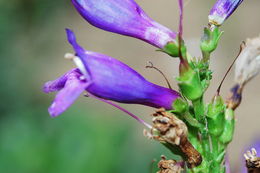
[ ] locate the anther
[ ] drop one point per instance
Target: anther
(78, 63)
(69, 56)
(82, 78)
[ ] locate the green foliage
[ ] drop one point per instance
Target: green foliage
(210, 126)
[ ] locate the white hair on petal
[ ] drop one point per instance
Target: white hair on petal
(160, 37)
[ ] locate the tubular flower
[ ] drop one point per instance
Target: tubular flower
(106, 78)
(222, 10)
(124, 17)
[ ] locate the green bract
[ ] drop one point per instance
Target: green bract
(209, 41)
(190, 85)
(171, 48)
(216, 116)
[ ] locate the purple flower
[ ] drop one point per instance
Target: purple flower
(124, 17)
(107, 78)
(222, 10)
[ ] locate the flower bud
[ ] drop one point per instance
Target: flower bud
(124, 17)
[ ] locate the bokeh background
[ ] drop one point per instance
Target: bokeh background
(92, 136)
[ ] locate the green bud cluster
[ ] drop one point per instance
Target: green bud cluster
(210, 126)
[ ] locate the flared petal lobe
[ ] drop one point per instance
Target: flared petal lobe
(124, 17)
(106, 78)
(222, 10)
(69, 86)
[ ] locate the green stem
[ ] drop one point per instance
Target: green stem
(215, 145)
(206, 57)
(200, 116)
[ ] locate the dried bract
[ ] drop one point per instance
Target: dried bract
(167, 128)
(169, 166)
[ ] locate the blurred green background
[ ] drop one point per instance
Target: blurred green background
(92, 136)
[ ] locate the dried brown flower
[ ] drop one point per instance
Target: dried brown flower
(169, 166)
(169, 129)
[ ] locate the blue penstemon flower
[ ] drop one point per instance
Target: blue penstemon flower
(124, 17)
(106, 78)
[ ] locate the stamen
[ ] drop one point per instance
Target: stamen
(242, 45)
(122, 109)
(78, 63)
(152, 66)
(69, 56)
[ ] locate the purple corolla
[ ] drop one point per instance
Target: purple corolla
(222, 10)
(106, 78)
(124, 17)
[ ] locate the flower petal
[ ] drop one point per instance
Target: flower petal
(58, 84)
(114, 80)
(68, 94)
(124, 17)
(222, 10)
